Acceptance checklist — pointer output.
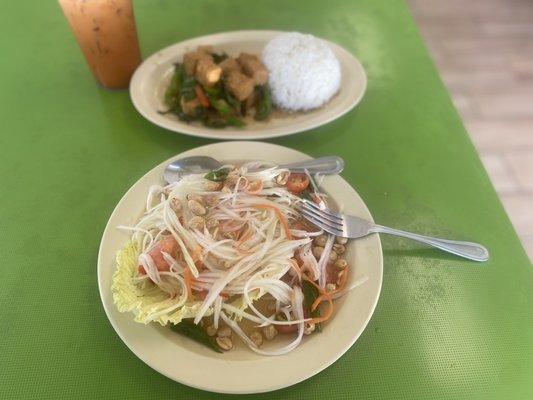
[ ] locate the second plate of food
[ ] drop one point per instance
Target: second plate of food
(298, 83)
(149, 279)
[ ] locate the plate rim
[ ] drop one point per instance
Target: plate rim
(137, 99)
(161, 370)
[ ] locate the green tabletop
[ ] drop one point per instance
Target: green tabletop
(444, 328)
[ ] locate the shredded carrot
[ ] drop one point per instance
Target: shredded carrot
(331, 307)
(243, 240)
(280, 216)
(341, 287)
(247, 235)
(188, 278)
(296, 267)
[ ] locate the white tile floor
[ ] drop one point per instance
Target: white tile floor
(483, 50)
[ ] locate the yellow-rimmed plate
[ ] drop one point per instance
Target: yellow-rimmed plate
(241, 370)
(148, 85)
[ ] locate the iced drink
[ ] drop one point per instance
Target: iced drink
(105, 31)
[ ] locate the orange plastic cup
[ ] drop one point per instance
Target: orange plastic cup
(106, 33)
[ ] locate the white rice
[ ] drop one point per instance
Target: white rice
(303, 71)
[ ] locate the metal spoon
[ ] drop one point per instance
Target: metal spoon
(197, 164)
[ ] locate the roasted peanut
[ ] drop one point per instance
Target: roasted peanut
(225, 343)
(175, 205)
(309, 327)
(341, 240)
(212, 186)
(230, 235)
(196, 197)
(341, 263)
(211, 330)
(256, 338)
(320, 240)
(317, 251)
(270, 332)
(330, 287)
(225, 331)
(339, 248)
(197, 223)
(211, 223)
(196, 208)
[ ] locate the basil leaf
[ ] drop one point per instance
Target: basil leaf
(218, 175)
(310, 295)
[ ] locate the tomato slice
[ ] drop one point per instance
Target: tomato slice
(167, 244)
(297, 183)
(286, 328)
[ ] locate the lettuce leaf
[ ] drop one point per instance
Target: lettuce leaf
(147, 302)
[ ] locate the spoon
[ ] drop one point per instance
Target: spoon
(198, 164)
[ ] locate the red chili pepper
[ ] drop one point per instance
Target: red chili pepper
(202, 98)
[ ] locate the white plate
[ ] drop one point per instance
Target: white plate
(241, 370)
(151, 79)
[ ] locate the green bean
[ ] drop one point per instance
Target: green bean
(187, 88)
(225, 111)
(172, 94)
(263, 107)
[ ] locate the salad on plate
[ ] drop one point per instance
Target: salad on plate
(228, 254)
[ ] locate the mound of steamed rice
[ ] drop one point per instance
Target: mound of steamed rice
(303, 71)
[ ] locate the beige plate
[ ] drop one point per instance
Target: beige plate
(241, 370)
(149, 82)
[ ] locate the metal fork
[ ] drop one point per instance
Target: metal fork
(352, 227)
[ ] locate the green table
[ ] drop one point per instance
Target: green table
(444, 328)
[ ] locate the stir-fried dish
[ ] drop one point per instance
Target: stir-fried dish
(228, 254)
(218, 90)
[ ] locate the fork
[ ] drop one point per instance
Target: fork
(352, 227)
